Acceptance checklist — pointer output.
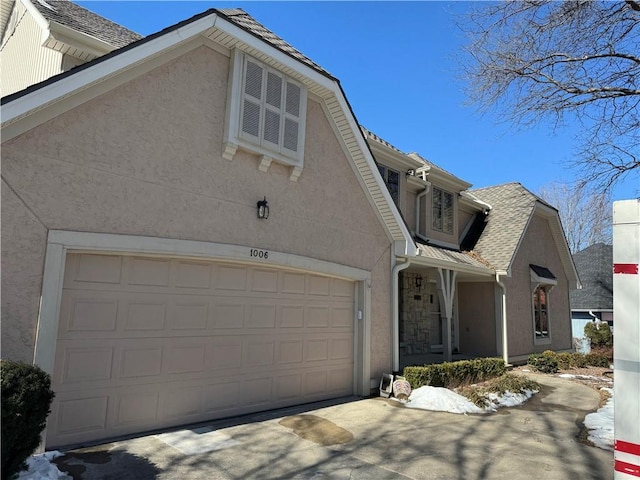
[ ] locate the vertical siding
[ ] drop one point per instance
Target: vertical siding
(24, 60)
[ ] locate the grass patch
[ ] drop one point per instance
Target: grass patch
(478, 394)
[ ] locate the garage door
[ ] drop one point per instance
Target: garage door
(145, 343)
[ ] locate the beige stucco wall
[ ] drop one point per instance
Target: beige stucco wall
(477, 318)
(145, 159)
(537, 248)
(24, 60)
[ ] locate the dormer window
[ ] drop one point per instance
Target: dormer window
(265, 114)
(392, 181)
(442, 211)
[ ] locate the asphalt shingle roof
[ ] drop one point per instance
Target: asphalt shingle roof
(74, 16)
(595, 269)
(512, 206)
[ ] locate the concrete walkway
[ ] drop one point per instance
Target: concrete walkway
(368, 439)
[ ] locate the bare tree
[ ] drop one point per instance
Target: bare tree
(538, 60)
(586, 216)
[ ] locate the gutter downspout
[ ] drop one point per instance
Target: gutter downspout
(395, 308)
(505, 340)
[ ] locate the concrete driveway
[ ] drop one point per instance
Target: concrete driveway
(368, 439)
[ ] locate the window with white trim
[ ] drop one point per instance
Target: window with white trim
(442, 210)
(542, 280)
(541, 311)
(392, 181)
(266, 113)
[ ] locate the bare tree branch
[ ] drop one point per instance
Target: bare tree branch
(537, 60)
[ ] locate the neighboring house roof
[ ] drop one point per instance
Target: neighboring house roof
(234, 29)
(512, 208)
(595, 267)
(82, 20)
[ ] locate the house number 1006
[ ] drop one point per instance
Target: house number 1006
(259, 253)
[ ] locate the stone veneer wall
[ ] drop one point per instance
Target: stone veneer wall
(419, 314)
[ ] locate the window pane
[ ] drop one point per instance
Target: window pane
(272, 127)
(253, 80)
(540, 312)
(447, 212)
(437, 208)
(251, 118)
(274, 90)
(393, 185)
(291, 134)
(293, 99)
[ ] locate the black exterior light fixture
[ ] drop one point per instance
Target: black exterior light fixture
(263, 209)
(419, 282)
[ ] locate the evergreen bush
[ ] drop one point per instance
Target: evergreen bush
(599, 334)
(26, 398)
(453, 374)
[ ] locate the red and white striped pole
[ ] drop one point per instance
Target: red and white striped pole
(626, 343)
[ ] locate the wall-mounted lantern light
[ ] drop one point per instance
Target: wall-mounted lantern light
(263, 209)
(419, 282)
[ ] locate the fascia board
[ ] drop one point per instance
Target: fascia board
(40, 20)
(82, 41)
(435, 263)
(560, 241)
(405, 245)
(392, 157)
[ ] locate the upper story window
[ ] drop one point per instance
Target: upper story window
(266, 114)
(442, 211)
(392, 180)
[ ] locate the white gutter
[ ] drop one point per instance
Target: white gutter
(395, 306)
(417, 208)
(503, 310)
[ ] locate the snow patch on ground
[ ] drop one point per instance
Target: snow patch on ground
(441, 400)
(41, 468)
(600, 424)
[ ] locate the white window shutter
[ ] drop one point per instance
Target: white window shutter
(292, 120)
(251, 108)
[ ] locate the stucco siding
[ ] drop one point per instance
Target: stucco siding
(537, 248)
(24, 60)
(477, 318)
(146, 159)
(24, 241)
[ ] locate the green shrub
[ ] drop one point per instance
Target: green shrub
(599, 334)
(453, 374)
(545, 362)
(26, 398)
(597, 360)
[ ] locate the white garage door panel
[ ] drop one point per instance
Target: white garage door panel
(145, 343)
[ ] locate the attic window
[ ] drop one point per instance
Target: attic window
(266, 113)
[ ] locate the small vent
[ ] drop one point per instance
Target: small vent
(274, 90)
(251, 118)
(291, 135)
(253, 80)
(272, 127)
(293, 99)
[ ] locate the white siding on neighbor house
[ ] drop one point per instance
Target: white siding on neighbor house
(24, 60)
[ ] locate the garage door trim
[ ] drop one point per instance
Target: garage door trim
(61, 242)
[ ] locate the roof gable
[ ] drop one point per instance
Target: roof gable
(228, 30)
(513, 206)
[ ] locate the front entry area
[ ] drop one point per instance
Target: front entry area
(151, 342)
